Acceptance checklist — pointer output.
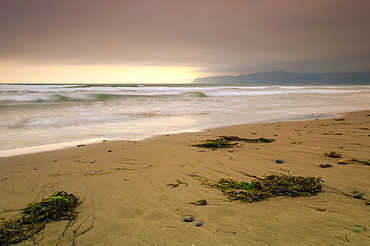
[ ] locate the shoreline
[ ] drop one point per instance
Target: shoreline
(71, 144)
(127, 199)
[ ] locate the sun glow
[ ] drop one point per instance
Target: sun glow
(24, 73)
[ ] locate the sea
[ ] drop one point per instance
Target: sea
(36, 117)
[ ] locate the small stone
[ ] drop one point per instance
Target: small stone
(200, 223)
(359, 229)
(321, 209)
(231, 151)
(109, 150)
(357, 196)
(343, 161)
(201, 151)
(279, 161)
(189, 219)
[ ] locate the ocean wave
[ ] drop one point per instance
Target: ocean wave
(81, 97)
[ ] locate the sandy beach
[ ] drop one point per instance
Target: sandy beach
(127, 199)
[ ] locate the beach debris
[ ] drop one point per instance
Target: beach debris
(279, 161)
(363, 162)
(359, 229)
(60, 206)
(230, 142)
(357, 196)
(343, 161)
(325, 165)
(333, 154)
(189, 219)
(200, 223)
(267, 187)
(132, 169)
(332, 133)
(321, 209)
(201, 202)
(177, 184)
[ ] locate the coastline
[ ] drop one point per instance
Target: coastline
(126, 197)
(33, 149)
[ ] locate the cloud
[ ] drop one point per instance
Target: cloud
(216, 36)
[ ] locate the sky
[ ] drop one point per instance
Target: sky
(176, 41)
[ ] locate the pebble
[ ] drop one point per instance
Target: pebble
(357, 196)
(189, 219)
(109, 150)
(321, 209)
(200, 223)
(343, 161)
(359, 229)
(279, 161)
(231, 151)
(201, 151)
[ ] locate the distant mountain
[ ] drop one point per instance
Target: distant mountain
(281, 77)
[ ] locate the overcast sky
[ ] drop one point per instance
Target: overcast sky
(178, 40)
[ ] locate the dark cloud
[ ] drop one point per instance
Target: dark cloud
(218, 36)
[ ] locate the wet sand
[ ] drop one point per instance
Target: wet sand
(127, 200)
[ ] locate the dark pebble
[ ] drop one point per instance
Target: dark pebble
(200, 223)
(189, 219)
(231, 151)
(279, 161)
(357, 196)
(201, 151)
(109, 151)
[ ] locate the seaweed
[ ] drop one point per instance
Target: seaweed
(215, 144)
(360, 161)
(60, 206)
(267, 187)
(177, 184)
(333, 154)
(230, 141)
(201, 202)
(325, 165)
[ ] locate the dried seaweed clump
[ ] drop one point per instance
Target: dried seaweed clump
(231, 141)
(333, 154)
(268, 186)
(363, 162)
(60, 206)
